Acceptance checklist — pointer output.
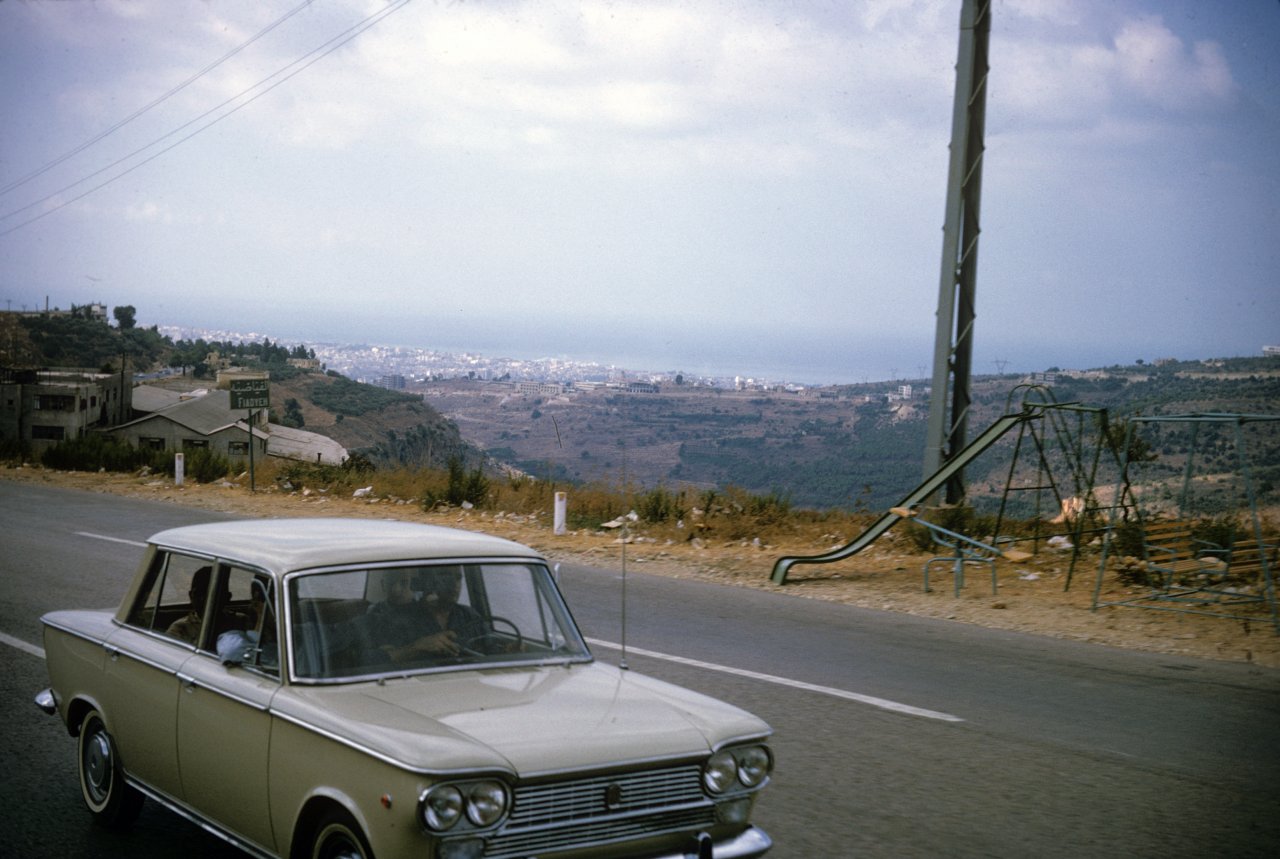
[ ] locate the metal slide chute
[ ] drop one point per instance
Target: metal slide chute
(917, 496)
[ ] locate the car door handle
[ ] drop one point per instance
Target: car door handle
(188, 683)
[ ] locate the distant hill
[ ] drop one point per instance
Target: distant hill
(851, 447)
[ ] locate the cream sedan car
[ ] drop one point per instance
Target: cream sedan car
(353, 688)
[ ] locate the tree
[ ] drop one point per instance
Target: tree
(126, 316)
(293, 414)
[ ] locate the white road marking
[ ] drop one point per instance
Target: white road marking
(111, 539)
(18, 643)
(882, 703)
(22, 645)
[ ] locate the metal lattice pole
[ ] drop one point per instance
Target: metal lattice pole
(953, 344)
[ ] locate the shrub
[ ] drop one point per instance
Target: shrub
(461, 487)
(14, 450)
(205, 466)
(355, 469)
(99, 452)
(1221, 530)
(660, 505)
(1126, 540)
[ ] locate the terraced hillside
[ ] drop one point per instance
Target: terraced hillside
(850, 447)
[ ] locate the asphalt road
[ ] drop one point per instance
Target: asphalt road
(895, 736)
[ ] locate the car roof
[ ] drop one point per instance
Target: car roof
(284, 545)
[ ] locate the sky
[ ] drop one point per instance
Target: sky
(733, 187)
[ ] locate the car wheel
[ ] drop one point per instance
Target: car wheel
(339, 837)
(112, 802)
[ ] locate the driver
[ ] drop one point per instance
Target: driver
(441, 626)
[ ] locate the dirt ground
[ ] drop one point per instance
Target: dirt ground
(1032, 597)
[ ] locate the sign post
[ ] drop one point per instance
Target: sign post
(252, 395)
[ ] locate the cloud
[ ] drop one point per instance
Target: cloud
(609, 86)
(1067, 76)
(1155, 64)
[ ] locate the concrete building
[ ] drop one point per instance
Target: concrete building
(547, 389)
(44, 407)
(392, 382)
(202, 422)
(173, 420)
(241, 374)
(302, 446)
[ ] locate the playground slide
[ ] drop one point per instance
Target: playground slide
(916, 496)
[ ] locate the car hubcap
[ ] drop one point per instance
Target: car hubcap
(337, 843)
(97, 766)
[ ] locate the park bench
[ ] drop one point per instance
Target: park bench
(1250, 562)
(1174, 556)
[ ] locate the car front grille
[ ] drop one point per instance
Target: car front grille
(603, 809)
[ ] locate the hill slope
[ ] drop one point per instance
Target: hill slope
(850, 447)
(389, 428)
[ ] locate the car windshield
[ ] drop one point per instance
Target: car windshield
(398, 619)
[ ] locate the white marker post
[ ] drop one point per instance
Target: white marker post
(179, 468)
(562, 506)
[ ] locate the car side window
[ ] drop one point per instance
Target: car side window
(246, 630)
(169, 603)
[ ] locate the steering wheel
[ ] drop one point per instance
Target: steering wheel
(470, 646)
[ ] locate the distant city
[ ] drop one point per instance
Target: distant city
(392, 366)
(397, 366)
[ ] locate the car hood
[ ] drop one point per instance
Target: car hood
(524, 720)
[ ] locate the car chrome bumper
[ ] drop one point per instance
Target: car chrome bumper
(750, 843)
(47, 701)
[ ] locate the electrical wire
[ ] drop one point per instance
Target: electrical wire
(302, 63)
(40, 171)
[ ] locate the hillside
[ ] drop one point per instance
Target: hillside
(386, 427)
(389, 428)
(850, 447)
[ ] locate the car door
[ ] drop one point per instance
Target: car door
(224, 719)
(140, 696)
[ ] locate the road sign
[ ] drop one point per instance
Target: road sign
(250, 394)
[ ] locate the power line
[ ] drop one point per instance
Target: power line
(303, 63)
(40, 171)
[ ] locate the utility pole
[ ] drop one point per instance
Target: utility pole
(953, 343)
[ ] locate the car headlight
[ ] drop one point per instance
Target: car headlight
(719, 772)
(486, 803)
(754, 765)
(747, 766)
(483, 803)
(441, 807)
